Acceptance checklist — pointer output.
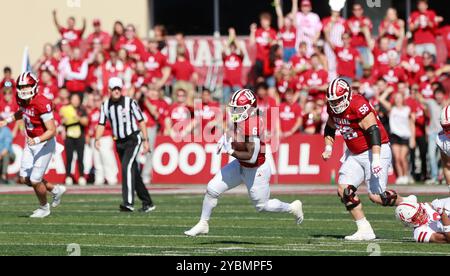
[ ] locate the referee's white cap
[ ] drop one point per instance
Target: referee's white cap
(115, 82)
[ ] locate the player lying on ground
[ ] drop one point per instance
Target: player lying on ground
(37, 113)
(443, 142)
(250, 166)
(430, 220)
(368, 157)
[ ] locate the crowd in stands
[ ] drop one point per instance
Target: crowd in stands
(397, 71)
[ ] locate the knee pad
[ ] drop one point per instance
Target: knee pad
(389, 198)
(349, 198)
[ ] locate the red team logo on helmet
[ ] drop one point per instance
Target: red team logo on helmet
(445, 120)
(339, 95)
(242, 105)
(27, 84)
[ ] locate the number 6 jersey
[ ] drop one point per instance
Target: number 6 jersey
(347, 123)
(35, 113)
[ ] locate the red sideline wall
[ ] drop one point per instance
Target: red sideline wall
(297, 161)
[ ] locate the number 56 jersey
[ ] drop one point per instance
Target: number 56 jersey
(36, 112)
(347, 123)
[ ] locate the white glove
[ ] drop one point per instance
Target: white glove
(227, 147)
(376, 165)
(221, 143)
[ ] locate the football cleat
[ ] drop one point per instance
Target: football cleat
(297, 211)
(147, 209)
(42, 212)
(61, 190)
(362, 236)
(202, 228)
(126, 209)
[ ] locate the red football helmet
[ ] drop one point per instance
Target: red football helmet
(242, 105)
(339, 95)
(27, 84)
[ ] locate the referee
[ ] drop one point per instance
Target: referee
(123, 112)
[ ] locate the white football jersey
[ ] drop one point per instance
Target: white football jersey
(443, 142)
(423, 233)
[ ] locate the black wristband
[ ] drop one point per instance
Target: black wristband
(374, 135)
(330, 132)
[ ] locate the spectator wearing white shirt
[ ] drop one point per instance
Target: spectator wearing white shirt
(334, 28)
(403, 128)
(309, 26)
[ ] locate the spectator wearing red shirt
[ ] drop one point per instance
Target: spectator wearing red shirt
(360, 28)
(286, 79)
(380, 54)
(233, 59)
(47, 62)
(8, 81)
(393, 29)
(115, 68)
(426, 82)
(423, 24)
(445, 33)
(131, 43)
(290, 115)
(118, 35)
(287, 29)
(413, 64)
(180, 123)
(103, 37)
(210, 116)
(8, 107)
(316, 80)
(412, 100)
(75, 73)
(47, 86)
(312, 120)
(155, 110)
(184, 74)
(156, 64)
(272, 67)
(266, 103)
(70, 33)
(394, 73)
(105, 164)
(347, 57)
(140, 77)
(300, 62)
(263, 37)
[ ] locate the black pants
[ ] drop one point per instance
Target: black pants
(75, 145)
(131, 174)
(422, 145)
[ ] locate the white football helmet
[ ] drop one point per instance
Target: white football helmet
(27, 86)
(339, 95)
(411, 214)
(445, 120)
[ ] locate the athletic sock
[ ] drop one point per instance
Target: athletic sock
(55, 190)
(209, 203)
(276, 206)
(364, 225)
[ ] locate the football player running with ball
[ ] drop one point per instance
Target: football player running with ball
(36, 111)
(250, 166)
(443, 142)
(367, 159)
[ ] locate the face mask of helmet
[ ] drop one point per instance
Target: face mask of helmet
(238, 113)
(340, 104)
(25, 92)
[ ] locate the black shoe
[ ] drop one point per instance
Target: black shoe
(147, 209)
(126, 209)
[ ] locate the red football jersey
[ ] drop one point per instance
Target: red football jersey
(34, 113)
(348, 124)
(253, 127)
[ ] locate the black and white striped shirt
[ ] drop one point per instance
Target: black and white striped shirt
(122, 115)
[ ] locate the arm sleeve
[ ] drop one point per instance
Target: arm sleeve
(102, 120)
(137, 111)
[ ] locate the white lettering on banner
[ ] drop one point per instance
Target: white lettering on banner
(305, 167)
(158, 154)
(216, 159)
(200, 159)
(283, 162)
(204, 56)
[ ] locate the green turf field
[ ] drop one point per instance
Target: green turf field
(92, 221)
